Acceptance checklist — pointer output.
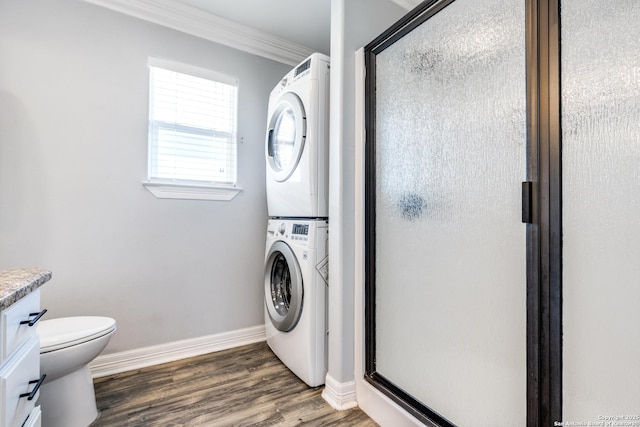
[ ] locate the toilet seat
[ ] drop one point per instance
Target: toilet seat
(56, 334)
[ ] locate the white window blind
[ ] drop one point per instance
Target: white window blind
(192, 125)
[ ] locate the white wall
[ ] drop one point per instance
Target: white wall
(354, 23)
(73, 144)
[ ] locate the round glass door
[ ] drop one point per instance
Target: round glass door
(286, 135)
(283, 288)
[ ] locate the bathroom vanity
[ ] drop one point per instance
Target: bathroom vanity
(20, 377)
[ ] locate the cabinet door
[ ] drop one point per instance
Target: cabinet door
(16, 378)
(35, 418)
(13, 332)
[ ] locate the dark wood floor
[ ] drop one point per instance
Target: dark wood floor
(245, 386)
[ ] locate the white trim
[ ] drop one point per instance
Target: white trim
(199, 23)
(383, 410)
(407, 4)
(339, 395)
(164, 190)
(115, 363)
(340, 363)
(359, 212)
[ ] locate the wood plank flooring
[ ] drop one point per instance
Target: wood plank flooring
(244, 386)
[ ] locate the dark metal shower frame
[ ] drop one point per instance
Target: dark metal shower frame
(542, 212)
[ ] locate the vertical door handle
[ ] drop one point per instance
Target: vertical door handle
(527, 195)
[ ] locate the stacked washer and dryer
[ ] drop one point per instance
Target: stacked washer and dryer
(296, 260)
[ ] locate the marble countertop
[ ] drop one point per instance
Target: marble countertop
(15, 284)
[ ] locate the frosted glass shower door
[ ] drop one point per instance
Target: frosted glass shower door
(601, 211)
(450, 248)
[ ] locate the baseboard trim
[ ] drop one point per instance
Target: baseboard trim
(339, 395)
(115, 363)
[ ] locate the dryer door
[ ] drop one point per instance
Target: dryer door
(283, 289)
(286, 134)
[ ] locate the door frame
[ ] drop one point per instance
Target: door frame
(544, 232)
(542, 213)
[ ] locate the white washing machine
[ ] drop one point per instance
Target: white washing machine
(297, 146)
(295, 290)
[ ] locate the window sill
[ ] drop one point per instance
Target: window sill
(164, 190)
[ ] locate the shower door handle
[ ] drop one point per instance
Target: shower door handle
(527, 202)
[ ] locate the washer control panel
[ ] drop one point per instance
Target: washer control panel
(300, 232)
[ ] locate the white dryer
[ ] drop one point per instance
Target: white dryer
(297, 147)
(295, 289)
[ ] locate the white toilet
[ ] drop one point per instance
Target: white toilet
(67, 345)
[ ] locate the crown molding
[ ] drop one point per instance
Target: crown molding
(407, 4)
(199, 23)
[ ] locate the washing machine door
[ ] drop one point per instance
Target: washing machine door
(283, 288)
(286, 134)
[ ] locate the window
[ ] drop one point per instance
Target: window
(192, 132)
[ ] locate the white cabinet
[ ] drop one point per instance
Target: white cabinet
(20, 363)
(35, 418)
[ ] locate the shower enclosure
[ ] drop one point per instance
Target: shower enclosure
(470, 199)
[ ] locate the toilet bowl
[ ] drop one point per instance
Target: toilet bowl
(67, 345)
